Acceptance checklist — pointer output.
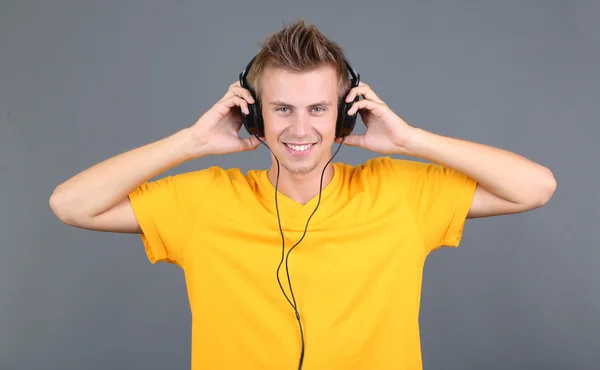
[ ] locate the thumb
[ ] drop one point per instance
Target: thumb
(351, 140)
(249, 143)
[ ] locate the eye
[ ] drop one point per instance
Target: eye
(321, 109)
(280, 109)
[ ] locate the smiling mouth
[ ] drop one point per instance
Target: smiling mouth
(299, 147)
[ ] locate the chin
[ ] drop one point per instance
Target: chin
(300, 169)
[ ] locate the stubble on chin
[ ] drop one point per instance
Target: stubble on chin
(301, 170)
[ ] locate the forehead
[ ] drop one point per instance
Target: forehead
(300, 87)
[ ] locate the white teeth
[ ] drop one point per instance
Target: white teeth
(299, 148)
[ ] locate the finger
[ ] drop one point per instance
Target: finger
(241, 92)
(225, 105)
(378, 109)
(364, 90)
(228, 92)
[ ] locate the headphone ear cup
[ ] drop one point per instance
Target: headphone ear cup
(253, 121)
(258, 118)
(340, 118)
(345, 123)
(249, 121)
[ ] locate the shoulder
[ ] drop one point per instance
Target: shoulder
(376, 174)
(216, 181)
(386, 166)
(210, 175)
(189, 184)
(401, 174)
(408, 168)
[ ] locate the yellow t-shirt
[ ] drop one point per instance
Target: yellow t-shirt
(356, 276)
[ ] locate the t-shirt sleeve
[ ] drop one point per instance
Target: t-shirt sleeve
(439, 199)
(167, 211)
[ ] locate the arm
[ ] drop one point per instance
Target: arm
(97, 198)
(507, 183)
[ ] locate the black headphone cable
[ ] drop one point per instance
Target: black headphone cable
(293, 304)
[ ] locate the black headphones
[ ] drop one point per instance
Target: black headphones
(255, 124)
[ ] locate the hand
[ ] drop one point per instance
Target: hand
(217, 131)
(386, 132)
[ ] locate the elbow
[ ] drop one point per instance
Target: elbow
(56, 206)
(60, 208)
(545, 189)
(549, 186)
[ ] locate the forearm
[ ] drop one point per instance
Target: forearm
(502, 173)
(102, 186)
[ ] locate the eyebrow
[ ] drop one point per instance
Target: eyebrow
(280, 102)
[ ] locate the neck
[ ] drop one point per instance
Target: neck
(300, 188)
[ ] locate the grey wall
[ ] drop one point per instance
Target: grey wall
(82, 81)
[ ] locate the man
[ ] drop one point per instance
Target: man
(347, 296)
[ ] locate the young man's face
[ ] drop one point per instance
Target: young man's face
(300, 113)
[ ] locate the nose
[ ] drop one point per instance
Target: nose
(299, 125)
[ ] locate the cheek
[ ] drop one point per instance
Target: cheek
(274, 126)
(327, 126)
(272, 130)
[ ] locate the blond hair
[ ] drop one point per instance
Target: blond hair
(298, 47)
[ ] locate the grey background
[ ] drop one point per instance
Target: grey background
(83, 81)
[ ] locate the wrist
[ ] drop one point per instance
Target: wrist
(415, 143)
(184, 146)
